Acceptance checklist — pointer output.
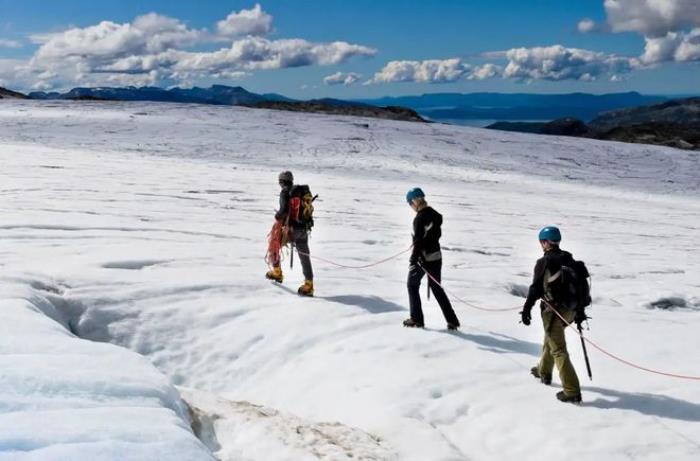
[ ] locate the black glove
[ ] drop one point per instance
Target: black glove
(415, 261)
(525, 317)
(580, 317)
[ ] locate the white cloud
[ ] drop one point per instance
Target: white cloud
(553, 63)
(246, 22)
(556, 63)
(588, 25)
(42, 85)
(250, 53)
(652, 18)
(674, 46)
(151, 33)
(428, 71)
(340, 78)
(155, 48)
(14, 73)
(665, 25)
(4, 43)
(231, 75)
(148, 79)
(486, 71)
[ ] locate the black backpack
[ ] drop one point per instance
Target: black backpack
(572, 288)
(301, 207)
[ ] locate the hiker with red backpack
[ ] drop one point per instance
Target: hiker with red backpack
(562, 284)
(293, 222)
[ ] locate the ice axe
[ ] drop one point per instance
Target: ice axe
(585, 352)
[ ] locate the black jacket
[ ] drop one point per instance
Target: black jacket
(550, 264)
(426, 236)
(281, 214)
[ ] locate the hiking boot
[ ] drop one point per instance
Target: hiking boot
(410, 323)
(275, 274)
(544, 379)
(453, 326)
(574, 398)
(307, 289)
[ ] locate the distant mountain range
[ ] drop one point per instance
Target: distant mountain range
(672, 123)
(515, 106)
(630, 117)
(448, 107)
(234, 96)
(216, 94)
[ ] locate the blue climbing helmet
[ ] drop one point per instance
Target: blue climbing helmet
(550, 233)
(414, 193)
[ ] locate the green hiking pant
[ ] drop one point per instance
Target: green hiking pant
(554, 351)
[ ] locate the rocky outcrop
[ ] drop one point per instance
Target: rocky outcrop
(673, 124)
(680, 111)
(8, 94)
(678, 135)
(358, 110)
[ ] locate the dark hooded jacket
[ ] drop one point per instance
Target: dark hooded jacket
(283, 211)
(547, 266)
(426, 236)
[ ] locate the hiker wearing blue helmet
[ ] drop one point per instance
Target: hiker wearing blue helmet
(426, 257)
(547, 285)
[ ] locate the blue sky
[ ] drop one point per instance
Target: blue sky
(390, 47)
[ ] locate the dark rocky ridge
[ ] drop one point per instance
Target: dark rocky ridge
(234, 96)
(673, 123)
(680, 111)
(358, 110)
(8, 94)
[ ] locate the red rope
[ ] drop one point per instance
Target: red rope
(275, 242)
(364, 266)
(473, 306)
(615, 357)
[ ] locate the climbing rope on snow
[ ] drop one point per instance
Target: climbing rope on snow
(467, 303)
(615, 357)
(364, 266)
(506, 309)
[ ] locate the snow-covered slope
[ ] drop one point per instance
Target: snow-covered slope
(62, 398)
(153, 218)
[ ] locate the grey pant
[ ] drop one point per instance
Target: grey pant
(301, 242)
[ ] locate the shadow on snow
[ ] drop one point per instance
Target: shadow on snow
(372, 304)
(644, 403)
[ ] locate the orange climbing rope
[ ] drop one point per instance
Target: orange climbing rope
(474, 306)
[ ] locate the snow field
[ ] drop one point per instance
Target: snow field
(162, 254)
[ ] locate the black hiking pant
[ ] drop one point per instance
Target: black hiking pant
(415, 275)
(301, 242)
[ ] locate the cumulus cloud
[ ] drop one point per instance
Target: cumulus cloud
(486, 71)
(257, 53)
(154, 48)
(674, 46)
(665, 24)
(151, 33)
(8, 72)
(250, 53)
(4, 43)
(340, 78)
(553, 63)
(652, 18)
(246, 22)
(587, 26)
(428, 71)
(557, 63)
